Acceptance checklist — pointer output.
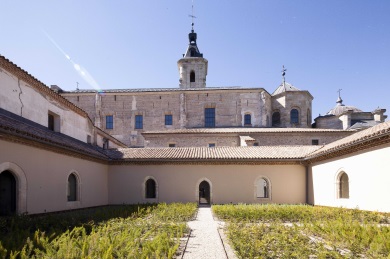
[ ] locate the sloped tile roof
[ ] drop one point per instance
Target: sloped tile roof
(376, 132)
(243, 130)
(215, 153)
(15, 126)
(142, 90)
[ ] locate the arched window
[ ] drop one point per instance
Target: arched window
(192, 76)
(262, 188)
(275, 119)
(343, 186)
(247, 119)
(150, 189)
(294, 116)
(72, 187)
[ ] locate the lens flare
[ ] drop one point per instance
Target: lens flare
(79, 69)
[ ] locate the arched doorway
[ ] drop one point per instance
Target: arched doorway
(7, 193)
(204, 193)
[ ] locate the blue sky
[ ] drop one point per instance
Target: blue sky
(325, 45)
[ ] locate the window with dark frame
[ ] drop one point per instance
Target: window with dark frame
(209, 117)
(314, 142)
(247, 119)
(50, 124)
(109, 122)
(192, 76)
(294, 116)
(168, 119)
(139, 124)
(211, 144)
(72, 188)
(171, 145)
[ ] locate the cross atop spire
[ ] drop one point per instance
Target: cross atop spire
(339, 100)
(283, 75)
(192, 16)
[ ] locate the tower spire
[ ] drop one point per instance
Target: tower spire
(192, 67)
(192, 17)
(283, 76)
(339, 100)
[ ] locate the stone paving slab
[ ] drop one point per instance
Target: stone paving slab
(204, 241)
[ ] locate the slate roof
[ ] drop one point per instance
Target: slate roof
(12, 125)
(214, 153)
(244, 130)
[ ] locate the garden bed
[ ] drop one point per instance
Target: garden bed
(301, 231)
(128, 231)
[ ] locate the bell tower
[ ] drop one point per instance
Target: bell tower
(192, 67)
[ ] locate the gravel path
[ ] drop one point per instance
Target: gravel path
(204, 241)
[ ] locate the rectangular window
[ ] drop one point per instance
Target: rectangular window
(247, 119)
(209, 117)
(314, 141)
(211, 144)
(168, 119)
(50, 123)
(171, 145)
(53, 122)
(139, 124)
(109, 122)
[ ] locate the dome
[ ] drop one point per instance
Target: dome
(285, 87)
(340, 108)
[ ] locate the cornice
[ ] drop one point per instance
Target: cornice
(205, 162)
(352, 148)
(38, 85)
(41, 143)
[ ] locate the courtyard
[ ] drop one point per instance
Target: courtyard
(185, 231)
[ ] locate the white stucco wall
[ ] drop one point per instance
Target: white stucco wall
(44, 175)
(229, 183)
(369, 180)
(20, 98)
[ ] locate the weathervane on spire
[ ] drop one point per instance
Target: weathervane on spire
(283, 75)
(192, 16)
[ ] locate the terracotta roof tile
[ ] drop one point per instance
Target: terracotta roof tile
(141, 90)
(215, 153)
(382, 129)
(14, 125)
(243, 130)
